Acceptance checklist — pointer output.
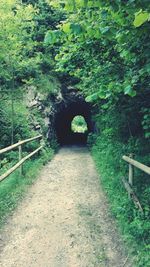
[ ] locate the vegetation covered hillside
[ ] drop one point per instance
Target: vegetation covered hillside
(26, 67)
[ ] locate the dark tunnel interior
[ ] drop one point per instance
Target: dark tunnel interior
(63, 121)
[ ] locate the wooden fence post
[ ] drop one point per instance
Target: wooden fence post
(131, 173)
(20, 158)
(19, 164)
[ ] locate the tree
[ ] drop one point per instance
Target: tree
(15, 38)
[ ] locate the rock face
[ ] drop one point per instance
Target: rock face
(57, 112)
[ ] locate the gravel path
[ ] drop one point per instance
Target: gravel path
(64, 219)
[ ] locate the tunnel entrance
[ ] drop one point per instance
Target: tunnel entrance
(79, 125)
(64, 120)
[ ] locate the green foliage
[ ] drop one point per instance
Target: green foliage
(140, 18)
(16, 26)
(21, 119)
(25, 62)
(117, 136)
(146, 122)
(24, 57)
(79, 125)
(103, 45)
(134, 226)
(52, 37)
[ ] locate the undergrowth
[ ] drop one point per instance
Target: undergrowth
(14, 187)
(134, 226)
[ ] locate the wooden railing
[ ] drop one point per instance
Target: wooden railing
(128, 184)
(21, 160)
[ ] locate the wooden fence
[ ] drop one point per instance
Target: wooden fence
(128, 184)
(21, 160)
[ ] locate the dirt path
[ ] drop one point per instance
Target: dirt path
(64, 220)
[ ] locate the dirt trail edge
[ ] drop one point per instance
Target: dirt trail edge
(64, 219)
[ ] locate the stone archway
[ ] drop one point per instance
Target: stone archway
(73, 104)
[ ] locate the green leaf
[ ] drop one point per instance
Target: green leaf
(105, 29)
(70, 5)
(52, 37)
(145, 127)
(92, 97)
(140, 18)
(81, 3)
(129, 91)
(76, 28)
(147, 135)
(66, 27)
(95, 3)
(132, 93)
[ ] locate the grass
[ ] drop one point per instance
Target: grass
(14, 187)
(133, 226)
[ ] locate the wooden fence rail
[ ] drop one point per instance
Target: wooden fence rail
(21, 160)
(137, 164)
(128, 184)
(6, 149)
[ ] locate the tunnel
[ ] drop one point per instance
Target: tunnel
(64, 118)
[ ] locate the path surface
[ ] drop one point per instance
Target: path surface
(64, 219)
